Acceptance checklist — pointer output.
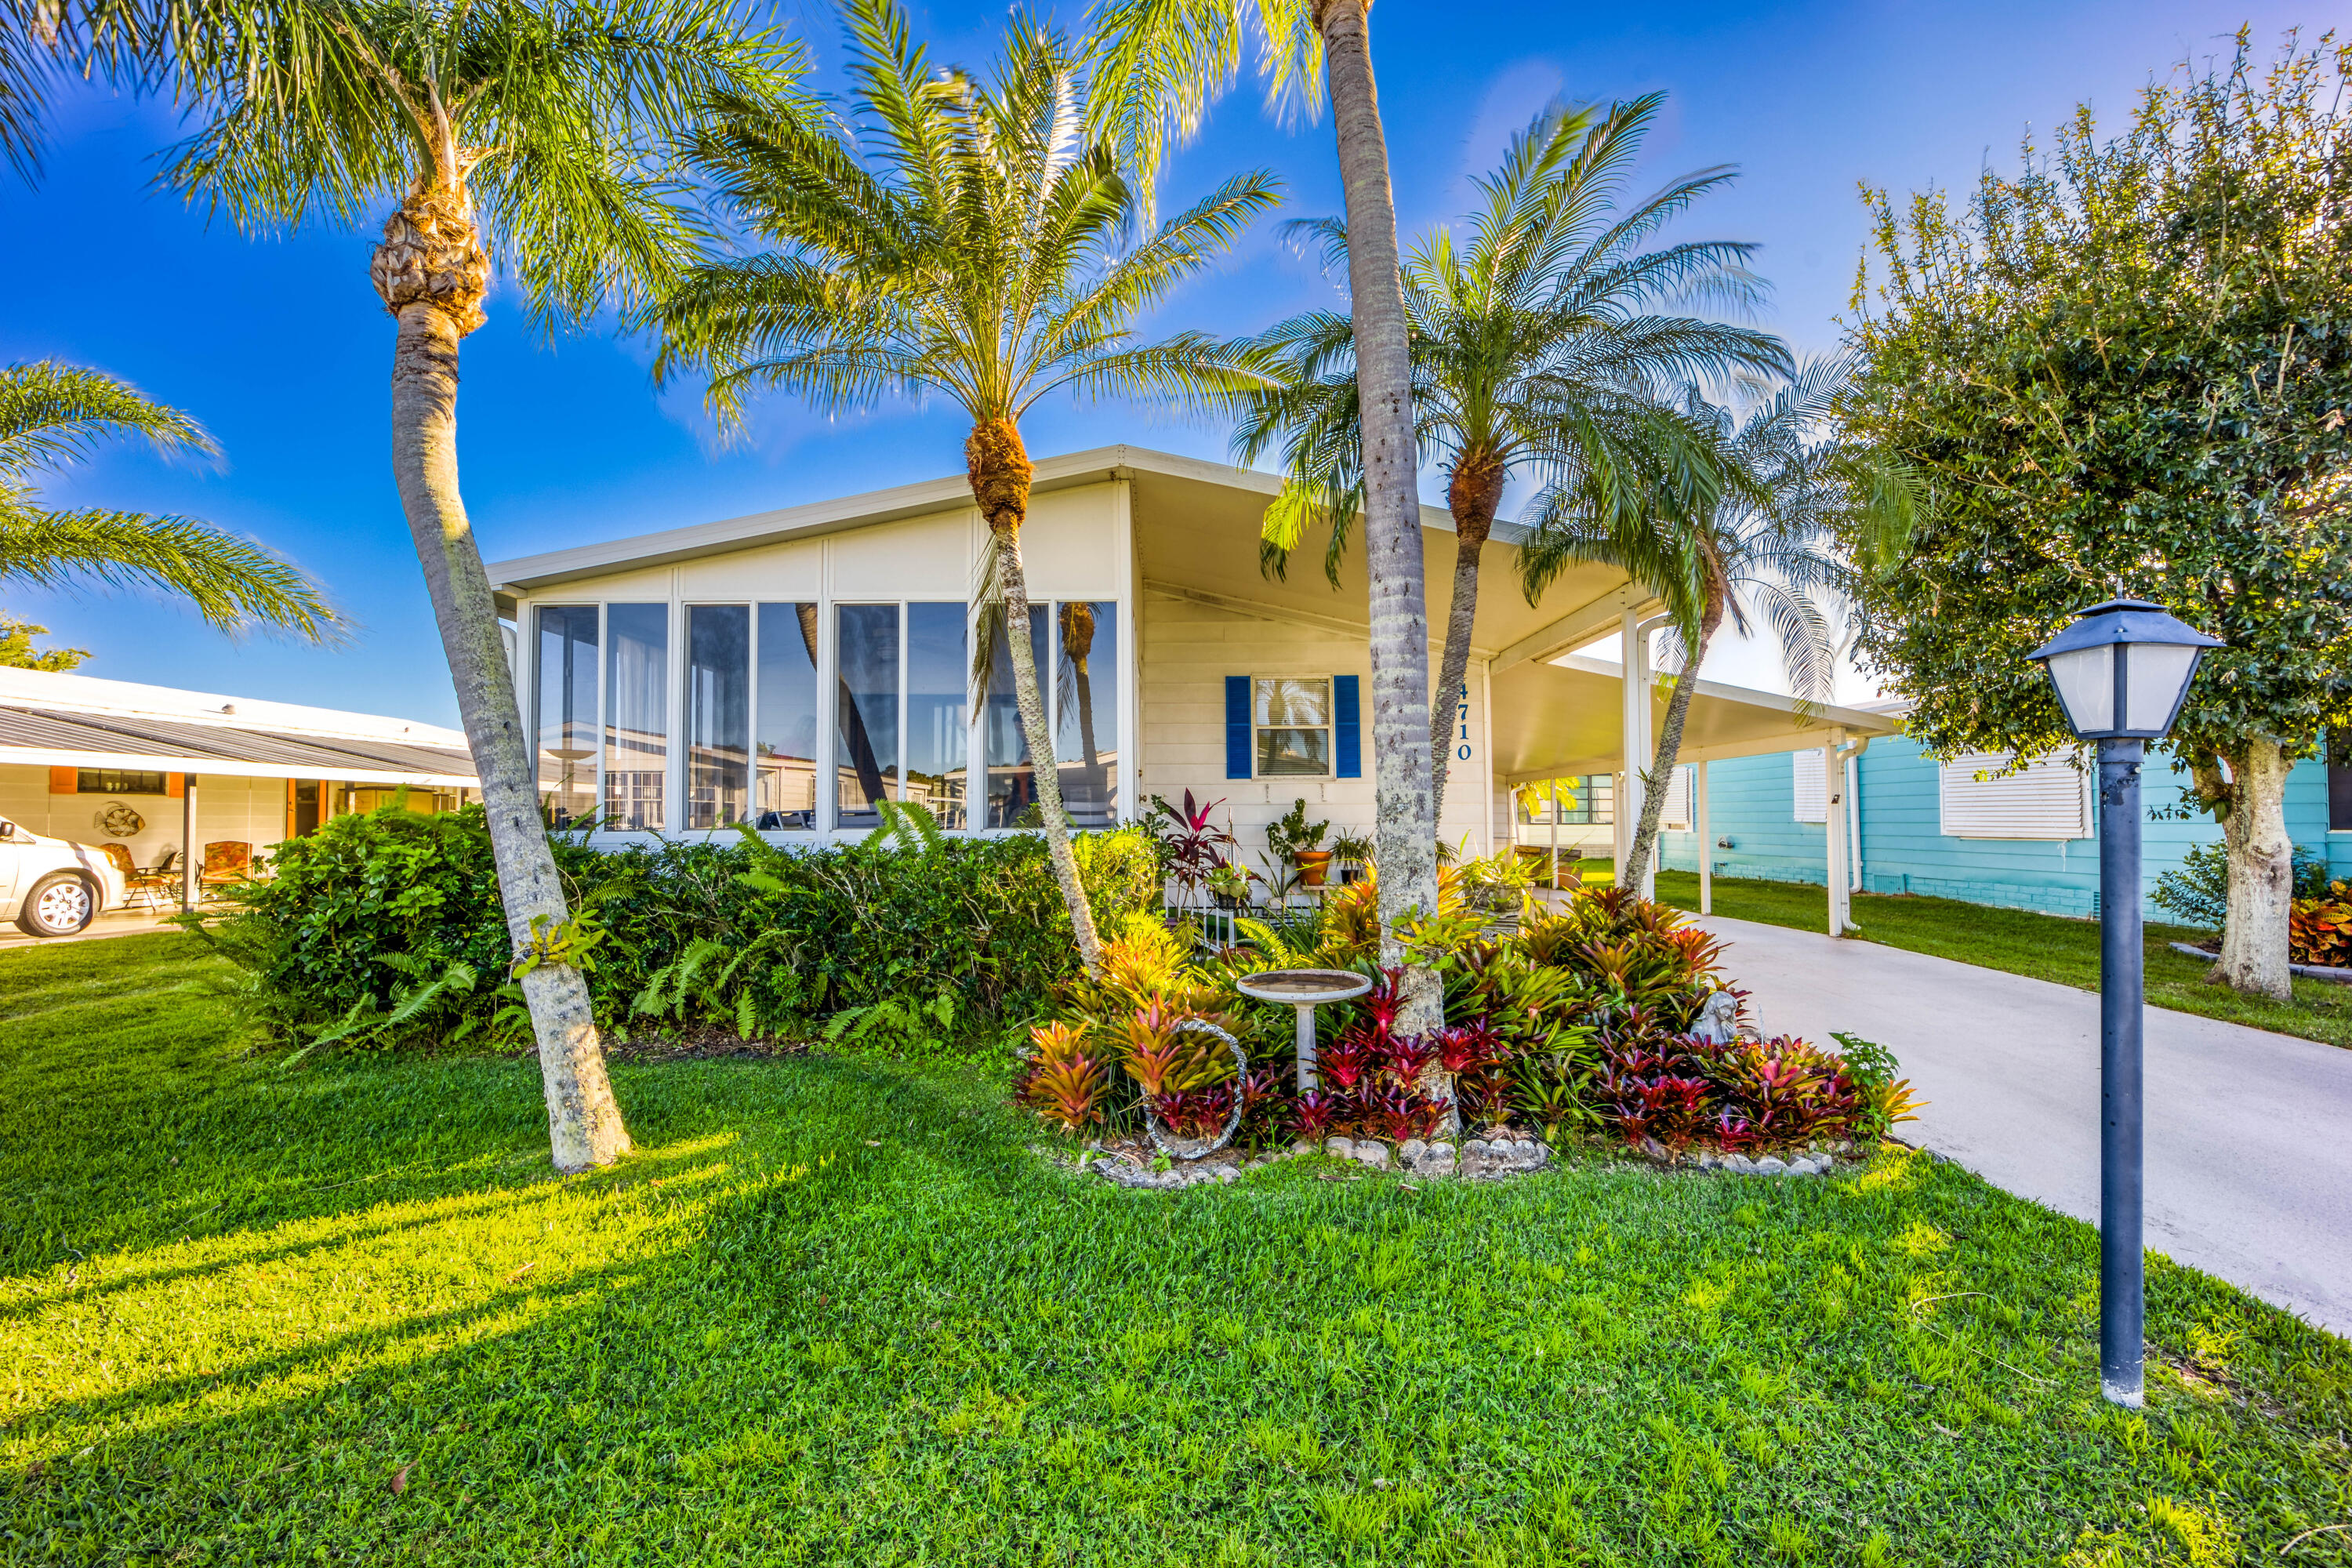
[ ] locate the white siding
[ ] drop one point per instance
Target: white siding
(1188, 650)
(2051, 798)
(1811, 778)
(249, 811)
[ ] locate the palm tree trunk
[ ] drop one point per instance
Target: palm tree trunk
(2262, 873)
(998, 467)
(1670, 745)
(583, 1123)
(1406, 822)
(1474, 492)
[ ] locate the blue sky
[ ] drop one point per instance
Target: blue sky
(279, 346)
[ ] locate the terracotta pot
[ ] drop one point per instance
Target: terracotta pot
(1313, 864)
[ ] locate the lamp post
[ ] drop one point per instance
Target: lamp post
(2121, 670)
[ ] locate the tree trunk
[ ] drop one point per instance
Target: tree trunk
(1406, 823)
(583, 1123)
(1473, 493)
(1670, 745)
(998, 467)
(2261, 874)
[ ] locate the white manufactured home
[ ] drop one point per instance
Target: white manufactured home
(794, 668)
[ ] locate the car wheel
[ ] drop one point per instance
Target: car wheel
(59, 905)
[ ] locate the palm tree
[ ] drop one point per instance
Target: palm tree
(53, 413)
(977, 253)
(1767, 546)
(1534, 349)
(1163, 60)
(528, 133)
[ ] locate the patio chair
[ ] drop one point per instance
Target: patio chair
(225, 863)
(154, 883)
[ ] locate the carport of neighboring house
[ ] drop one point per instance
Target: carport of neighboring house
(157, 769)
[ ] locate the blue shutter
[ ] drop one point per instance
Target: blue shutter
(1237, 726)
(1347, 730)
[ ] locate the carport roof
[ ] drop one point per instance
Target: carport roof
(1563, 718)
(54, 738)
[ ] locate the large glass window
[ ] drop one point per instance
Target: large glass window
(939, 723)
(636, 715)
(567, 710)
(1012, 781)
(717, 714)
(786, 787)
(1085, 709)
(1293, 719)
(867, 652)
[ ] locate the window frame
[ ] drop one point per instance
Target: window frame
(1330, 727)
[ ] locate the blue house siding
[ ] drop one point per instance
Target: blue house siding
(1905, 850)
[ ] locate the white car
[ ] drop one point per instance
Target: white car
(52, 886)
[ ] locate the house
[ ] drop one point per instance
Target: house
(1971, 828)
(153, 769)
(793, 668)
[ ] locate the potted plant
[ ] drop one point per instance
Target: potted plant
(1353, 853)
(1188, 843)
(1295, 843)
(1230, 885)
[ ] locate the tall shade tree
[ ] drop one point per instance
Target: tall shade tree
(55, 414)
(1772, 545)
(1164, 61)
(2125, 371)
(1536, 348)
(530, 137)
(972, 241)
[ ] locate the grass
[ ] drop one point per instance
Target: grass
(2048, 947)
(834, 1310)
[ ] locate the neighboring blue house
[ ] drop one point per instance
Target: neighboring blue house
(2029, 841)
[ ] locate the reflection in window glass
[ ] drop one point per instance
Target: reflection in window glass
(567, 710)
(717, 714)
(867, 758)
(1085, 709)
(1011, 781)
(1293, 716)
(636, 714)
(786, 787)
(939, 731)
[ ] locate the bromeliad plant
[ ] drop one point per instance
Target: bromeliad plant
(1579, 1025)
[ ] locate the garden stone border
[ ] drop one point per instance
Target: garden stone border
(1494, 1159)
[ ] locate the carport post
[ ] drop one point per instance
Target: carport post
(188, 842)
(1705, 840)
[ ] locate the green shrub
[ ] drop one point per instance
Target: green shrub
(367, 915)
(2197, 893)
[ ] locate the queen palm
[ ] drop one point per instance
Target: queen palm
(53, 413)
(529, 135)
(973, 243)
(1163, 60)
(1764, 548)
(1535, 349)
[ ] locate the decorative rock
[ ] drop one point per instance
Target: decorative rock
(1740, 1163)
(1410, 1152)
(1373, 1152)
(1345, 1148)
(1227, 1174)
(1772, 1165)
(1434, 1159)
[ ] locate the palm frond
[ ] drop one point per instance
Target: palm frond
(234, 584)
(52, 412)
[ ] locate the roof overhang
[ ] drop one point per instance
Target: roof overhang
(48, 738)
(1563, 718)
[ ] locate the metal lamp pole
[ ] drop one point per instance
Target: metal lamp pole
(2122, 1307)
(2121, 671)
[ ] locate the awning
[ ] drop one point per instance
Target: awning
(1559, 720)
(44, 737)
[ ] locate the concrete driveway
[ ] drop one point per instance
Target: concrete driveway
(2249, 1133)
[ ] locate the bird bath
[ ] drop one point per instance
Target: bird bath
(1305, 989)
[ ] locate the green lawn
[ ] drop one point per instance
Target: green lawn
(2048, 947)
(835, 1311)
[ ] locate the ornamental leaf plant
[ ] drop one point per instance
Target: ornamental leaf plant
(2128, 370)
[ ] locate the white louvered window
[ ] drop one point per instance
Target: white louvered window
(2049, 798)
(1675, 817)
(1812, 787)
